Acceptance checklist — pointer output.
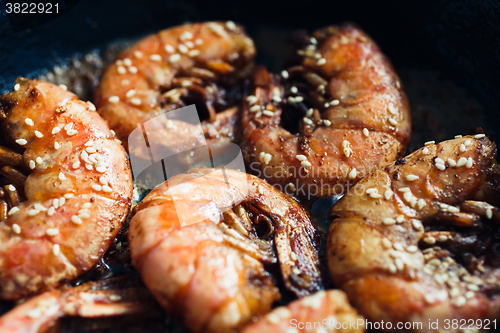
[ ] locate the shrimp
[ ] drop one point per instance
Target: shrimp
(329, 121)
(201, 241)
(325, 311)
(411, 243)
(69, 193)
(117, 296)
(202, 63)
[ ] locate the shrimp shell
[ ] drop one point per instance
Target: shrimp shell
(70, 217)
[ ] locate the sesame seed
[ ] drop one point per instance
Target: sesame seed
(255, 108)
(489, 213)
(442, 238)
(114, 99)
(392, 121)
(63, 86)
(101, 169)
(479, 136)
(189, 44)
(334, 102)
(266, 158)
(251, 99)
(33, 212)
(389, 221)
(451, 162)
(15, 227)
(107, 189)
(89, 166)
(38, 160)
(294, 90)
(56, 249)
(21, 142)
(412, 249)
(132, 69)
(399, 264)
(69, 195)
(417, 224)
(327, 105)
(371, 190)
(301, 157)
(392, 109)
(91, 106)
(76, 220)
(155, 57)
(387, 244)
(411, 178)
(76, 165)
(462, 148)
(61, 176)
(407, 196)
(425, 151)
(440, 166)
(198, 41)
(193, 53)
(305, 163)
(138, 54)
(276, 98)
(398, 84)
(429, 299)
(56, 130)
(392, 268)
(136, 101)
(12, 211)
(16, 87)
(68, 126)
(400, 219)
(284, 74)
(327, 122)
(375, 195)
(51, 211)
(57, 145)
(469, 163)
(127, 62)
(321, 61)
(182, 48)
(469, 294)
(366, 132)
(29, 122)
(268, 113)
(388, 194)
(353, 173)
(429, 143)
(52, 231)
(299, 99)
(130, 93)
(121, 70)
(347, 152)
(38, 134)
(186, 35)
(460, 301)
(230, 25)
(421, 204)
(308, 121)
(467, 142)
(461, 161)
(398, 247)
(430, 240)
(174, 58)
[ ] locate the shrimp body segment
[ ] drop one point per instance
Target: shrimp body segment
(77, 184)
(202, 63)
(324, 311)
(330, 120)
(201, 243)
(424, 249)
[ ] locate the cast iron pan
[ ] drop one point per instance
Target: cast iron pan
(447, 54)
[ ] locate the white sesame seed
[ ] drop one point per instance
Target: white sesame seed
(398, 84)
(255, 108)
(189, 44)
(294, 90)
(388, 194)
(132, 69)
(121, 70)
(69, 126)
(193, 53)
(16, 87)
(51, 211)
(230, 25)
(137, 54)
(136, 101)
(412, 249)
(69, 195)
(411, 178)
(107, 189)
(387, 244)
(429, 143)
(375, 195)
(38, 134)
(183, 49)
(15, 227)
(479, 136)
(91, 106)
(174, 58)
(469, 163)
(130, 93)
(425, 151)
(284, 74)
(407, 196)
(451, 162)
(90, 150)
(442, 238)
(460, 301)
(345, 143)
(33, 212)
(127, 62)
(38, 160)
(308, 121)
(461, 161)
(301, 157)
(327, 122)
(321, 61)
(462, 148)
(399, 264)
(467, 142)
(353, 173)
(57, 145)
(366, 132)
(334, 102)
(392, 268)
(421, 203)
(251, 99)
(76, 165)
(21, 142)
(429, 299)
(12, 211)
(440, 166)
(63, 86)
(155, 57)
(114, 99)
(392, 109)
(101, 169)
(268, 113)
(417, 224)
(76, 220)
(276, 98)
(392, 121)
(186, 35)
(29, 122)
(469, 294)
(430, 240)
(56, 249)
(347, 152)
(371, 190)
(327, 105)
(52, 231)
(305, 163)
(489, 213)
(389, 221)
(398, 247)
(89, 166)
(103, 181)
(61, 176)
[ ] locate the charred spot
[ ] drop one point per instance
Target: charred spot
(92, 199)
(400, 161)
(33, 94)
(5, 106)
(395, 176)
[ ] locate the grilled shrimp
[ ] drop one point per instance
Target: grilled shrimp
(67, 190)
(202, 63)
(411, 243)
(325, 311)
(201, 242)
(118, 296)
(329, 121)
